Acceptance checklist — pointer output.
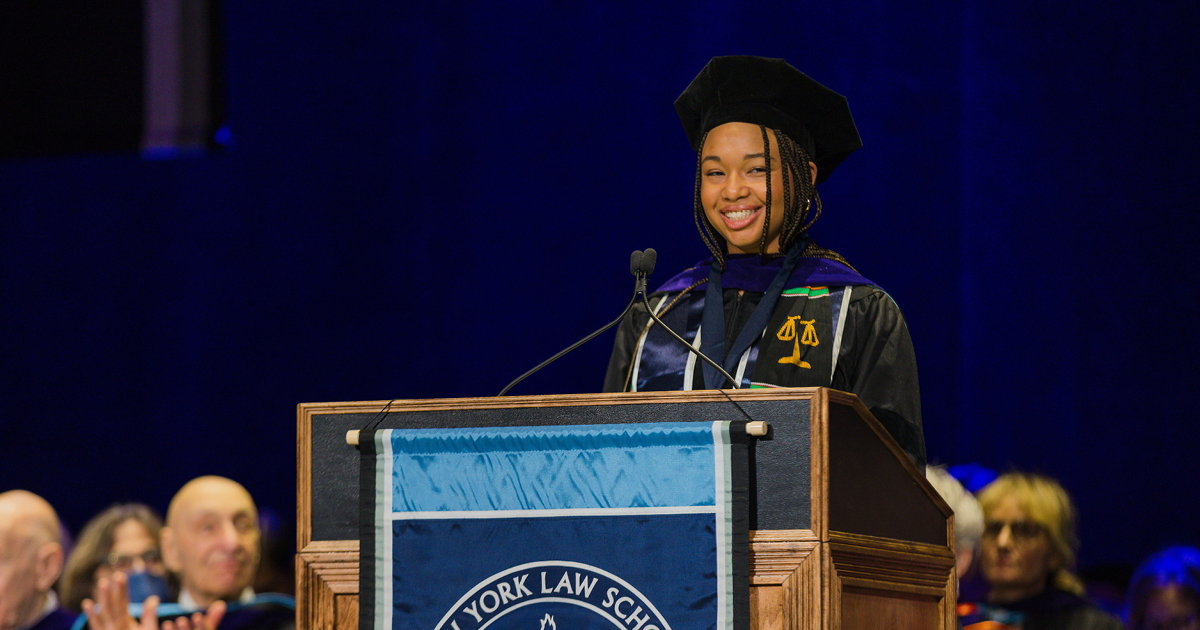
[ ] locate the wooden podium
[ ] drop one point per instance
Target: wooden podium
(845, 531)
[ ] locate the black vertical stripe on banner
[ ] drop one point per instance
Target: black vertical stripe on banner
(752, 480)
(739, 484)
(366, 530)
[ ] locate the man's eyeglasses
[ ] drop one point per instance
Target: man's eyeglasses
(125, 563)
(1021, 531)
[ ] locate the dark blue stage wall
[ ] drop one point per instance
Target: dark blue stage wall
(424, 200)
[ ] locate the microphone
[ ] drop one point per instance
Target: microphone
(641, 267)
(649, 257)
(641, 264)
(637, 262)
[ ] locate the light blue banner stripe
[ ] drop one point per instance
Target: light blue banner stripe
(593, 512)
(553, 468)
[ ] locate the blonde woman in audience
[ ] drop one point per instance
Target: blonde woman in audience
(1027, 553)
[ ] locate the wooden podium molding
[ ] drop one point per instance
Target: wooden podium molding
(878, 551)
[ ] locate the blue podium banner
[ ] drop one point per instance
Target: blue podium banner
(554, 528)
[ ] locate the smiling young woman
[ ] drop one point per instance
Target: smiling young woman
(770, 305)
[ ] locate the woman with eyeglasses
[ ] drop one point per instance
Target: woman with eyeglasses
(122, 538)
(1164, 593)
(1026, 555)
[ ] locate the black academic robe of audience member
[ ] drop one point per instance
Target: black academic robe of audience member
(58, 619)
(875, 358)
(1052, 609)
(260, 615)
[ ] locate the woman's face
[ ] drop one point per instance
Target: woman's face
(133, 550)
(733, 186)
(1016, 556)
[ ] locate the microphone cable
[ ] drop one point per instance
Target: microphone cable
(636, 267)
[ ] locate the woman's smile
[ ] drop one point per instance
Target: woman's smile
(737, 217)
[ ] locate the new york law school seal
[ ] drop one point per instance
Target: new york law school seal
(553, 595)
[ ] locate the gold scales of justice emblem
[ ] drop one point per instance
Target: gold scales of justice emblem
(808, 338)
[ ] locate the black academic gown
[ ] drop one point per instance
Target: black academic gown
(58, 619)
(274, 613)
(814, 320)
(1052, 609)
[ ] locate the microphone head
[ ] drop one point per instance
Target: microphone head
(649, 257)
(635, 262)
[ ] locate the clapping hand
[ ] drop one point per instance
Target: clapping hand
(112, 611)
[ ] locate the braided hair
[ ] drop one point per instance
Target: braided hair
(799, 197)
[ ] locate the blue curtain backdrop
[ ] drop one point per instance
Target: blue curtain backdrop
(425, 199)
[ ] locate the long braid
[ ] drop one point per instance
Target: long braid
(762, 242)
(712, 239)
(795, 161)
(789, 177)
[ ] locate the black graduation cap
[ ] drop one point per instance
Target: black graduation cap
(770, 92)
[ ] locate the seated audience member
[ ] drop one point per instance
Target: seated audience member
(31, 559)
(122, 538)
(211, 543)
(968, 517)
(1164, 592)
(1026, 555)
